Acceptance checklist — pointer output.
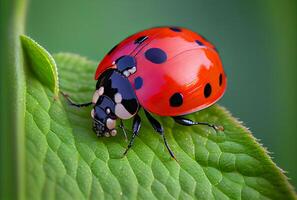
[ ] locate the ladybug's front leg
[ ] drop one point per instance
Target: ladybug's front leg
(187, 122)
(75, 104)
(135, 127)
(158, 127)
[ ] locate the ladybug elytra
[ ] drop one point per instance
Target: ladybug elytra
(167, 71)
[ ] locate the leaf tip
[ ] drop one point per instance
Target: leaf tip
(41, 63)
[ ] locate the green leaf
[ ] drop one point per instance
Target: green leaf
(65, 159)
(38, 56)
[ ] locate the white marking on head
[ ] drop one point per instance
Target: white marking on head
(113, 132)
(101, 90)
(95, 97)
(93, 113)
(118, 98)
(121, 112)
(110, 123)
(97, 94)
(107, 110)
(126, 73)
(132, 70)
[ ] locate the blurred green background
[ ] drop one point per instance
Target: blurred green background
(257, 41)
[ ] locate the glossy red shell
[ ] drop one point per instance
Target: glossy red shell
(192, 63)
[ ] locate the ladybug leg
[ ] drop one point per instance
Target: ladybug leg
(136, 127)
(187, 122)
(75, 104)
(123, 129)
(158, 127)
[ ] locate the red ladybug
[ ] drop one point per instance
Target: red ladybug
(168, 71)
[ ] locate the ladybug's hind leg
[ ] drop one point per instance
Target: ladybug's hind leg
(187, 122)
(135, 127)
(158, 127)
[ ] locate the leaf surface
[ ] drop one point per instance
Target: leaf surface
(41, 63)
(65, 159)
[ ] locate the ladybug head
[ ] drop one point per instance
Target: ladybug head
(104, 119)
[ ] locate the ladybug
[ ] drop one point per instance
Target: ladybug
(167, 71)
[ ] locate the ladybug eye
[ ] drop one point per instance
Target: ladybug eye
(107, 110)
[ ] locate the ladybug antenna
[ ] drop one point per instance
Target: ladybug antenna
(72, 103)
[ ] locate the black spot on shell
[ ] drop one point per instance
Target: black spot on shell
(138, 81)
(140, 39)
(199, 42)
(175, 29)
(156, 55)
(176, 100)
(220, 79)
(207, 90)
